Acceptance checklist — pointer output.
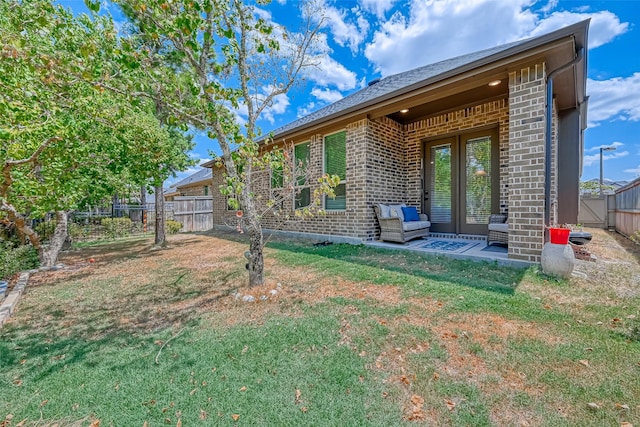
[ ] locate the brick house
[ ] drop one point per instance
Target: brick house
(197, 184)
(460, 139)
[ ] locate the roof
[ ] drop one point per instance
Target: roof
(398, 84)
(203, 174)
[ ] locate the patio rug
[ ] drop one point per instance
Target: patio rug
(447, 246)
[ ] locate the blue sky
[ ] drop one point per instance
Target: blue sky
(367, 39)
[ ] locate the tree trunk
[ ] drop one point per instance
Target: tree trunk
(160, 233)
(256, 257)
(21, 224)
(49, 255)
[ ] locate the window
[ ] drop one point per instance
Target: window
(206, 190)
(335, 163)
(302, 196)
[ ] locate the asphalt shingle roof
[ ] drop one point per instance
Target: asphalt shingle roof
(201, 175)
(394, 83)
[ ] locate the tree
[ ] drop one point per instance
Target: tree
(65, 141)
(232, 59)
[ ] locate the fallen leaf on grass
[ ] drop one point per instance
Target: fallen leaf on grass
(623, 407)
(417, 400)
(235, 417)
(23, 422)
(584, 362)
(243, 388)
(192, 392)
(179, 423)
(298, 394)
(625, 424)
(592, 405)
(451, 405)
(404, 380)
(304, 409)
(95, 423)
(44, 402)
(417, 415)
(203, 415)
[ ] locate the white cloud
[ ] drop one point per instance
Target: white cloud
(616, 144)
(549, 6)
(635, 171)
(595, 158)
(614, 99)
(344, 32)
(307, 109)
(604, 26)
(278, 105)
(377, 7)
(330, 72)
(440, 29)
(326, 95)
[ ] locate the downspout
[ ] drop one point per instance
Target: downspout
(549, 118)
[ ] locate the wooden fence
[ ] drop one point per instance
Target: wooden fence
(628, 208)
(195, 213)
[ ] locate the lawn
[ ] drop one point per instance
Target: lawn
(353, 336)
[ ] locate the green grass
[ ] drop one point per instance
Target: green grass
(505, 345)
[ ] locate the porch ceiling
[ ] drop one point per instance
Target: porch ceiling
(455, 101)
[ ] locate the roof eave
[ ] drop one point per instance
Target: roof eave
(512, 54)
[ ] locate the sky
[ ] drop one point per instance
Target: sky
(369, 39)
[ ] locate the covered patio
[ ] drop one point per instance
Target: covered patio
(467, 247)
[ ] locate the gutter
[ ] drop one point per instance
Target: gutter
(547, 145)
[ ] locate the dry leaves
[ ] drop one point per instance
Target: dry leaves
(584, 362)
(243, 388)
(417, 413)
(235, 417)
(298, 394)
(593, 406)
(95, 423)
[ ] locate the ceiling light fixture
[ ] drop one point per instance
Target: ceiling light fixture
(495, 82)
(404, 110)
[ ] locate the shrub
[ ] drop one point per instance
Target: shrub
(15, 259)
(116, 227)
(173, 226)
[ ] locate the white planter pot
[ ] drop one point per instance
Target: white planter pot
(557, 260)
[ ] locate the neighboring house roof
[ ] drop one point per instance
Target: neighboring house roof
(403, 83)
(202, 175)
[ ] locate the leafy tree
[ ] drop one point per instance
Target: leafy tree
(232, 59)
(65, 141)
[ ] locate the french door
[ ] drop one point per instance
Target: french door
(461, 182)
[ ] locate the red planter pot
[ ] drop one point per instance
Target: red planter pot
(559, 236)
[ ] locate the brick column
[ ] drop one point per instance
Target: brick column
(526, 162)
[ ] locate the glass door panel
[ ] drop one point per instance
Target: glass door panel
(462, 182)
(441, 190)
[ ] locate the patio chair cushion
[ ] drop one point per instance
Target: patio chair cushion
(410, 213)
(395, 211)
(385, 212)
(501, 227)
(415, 225)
